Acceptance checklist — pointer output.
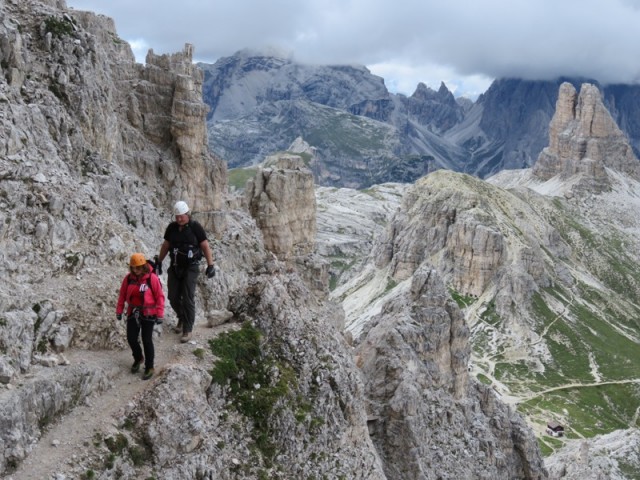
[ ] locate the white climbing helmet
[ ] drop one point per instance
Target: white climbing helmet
(180, 208)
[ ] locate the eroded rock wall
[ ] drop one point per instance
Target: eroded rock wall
(584, 139)
(421, 402)
(282, 200)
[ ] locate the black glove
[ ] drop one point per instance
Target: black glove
(211, 272)
(159, 321)
(158, 265)
(119, 316)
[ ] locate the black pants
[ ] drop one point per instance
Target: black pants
(133, 330)
(181, 283)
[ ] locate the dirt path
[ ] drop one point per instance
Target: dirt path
(74, 433)
(526, 398)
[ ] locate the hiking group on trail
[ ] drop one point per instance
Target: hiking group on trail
(185, 241)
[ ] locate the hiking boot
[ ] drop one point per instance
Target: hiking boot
(178, 328)
(148, 373)
(185, 337)
(135, 368)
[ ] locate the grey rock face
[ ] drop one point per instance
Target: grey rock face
(414, 358)
(94, 149)
(24, 412)
(584, 139)
(349, 221)
(180, 83)
(208, 437)
(615, 455)
(448, 220)
(282, 200)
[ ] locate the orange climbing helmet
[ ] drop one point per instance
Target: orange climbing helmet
(137, 260)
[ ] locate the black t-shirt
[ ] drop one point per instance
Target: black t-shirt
(184, 245)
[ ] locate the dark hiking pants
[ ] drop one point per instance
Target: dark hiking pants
(181, 284)
(134, 328)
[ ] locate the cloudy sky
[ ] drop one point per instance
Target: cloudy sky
(465, 43)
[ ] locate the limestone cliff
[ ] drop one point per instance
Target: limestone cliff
(584, 140)
(282, 200)
(94, 149)
(414, 357)
(412, 340)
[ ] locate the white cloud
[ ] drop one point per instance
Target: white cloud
(461, 42)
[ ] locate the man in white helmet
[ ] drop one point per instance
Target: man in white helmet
(186, 242)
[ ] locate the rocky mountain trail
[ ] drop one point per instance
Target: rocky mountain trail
(369, 383)
(68, 445)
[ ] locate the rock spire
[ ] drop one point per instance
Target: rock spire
(584, 140)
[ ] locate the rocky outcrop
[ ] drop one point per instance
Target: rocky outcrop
(615, 455)
(448, 219)
(584, 140)
(437, 109)
(311, 420)
(171, 83)
(282, 200)
(94, 149)
(414, 358)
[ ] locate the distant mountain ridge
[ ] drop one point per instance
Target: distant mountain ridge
(261, 103)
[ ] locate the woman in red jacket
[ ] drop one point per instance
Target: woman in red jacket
(142, 291)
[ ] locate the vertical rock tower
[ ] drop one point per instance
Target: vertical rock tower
(584, 140)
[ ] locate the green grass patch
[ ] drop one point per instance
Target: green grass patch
(257, 382)
(541, 311)
(480, 342)
(199, 353)
(391, 284)
(484, 379)
(353, 136)
(490, 315)
(591, 410)
(512, 373)
(463, 301)
(59, 27)
(238, 177)
(549, 445)
(615, 354)
(117, 443)
(628, 470)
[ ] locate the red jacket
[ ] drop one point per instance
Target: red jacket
(136, 293)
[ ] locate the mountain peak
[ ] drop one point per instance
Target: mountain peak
(584, 140)
(423, 92)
